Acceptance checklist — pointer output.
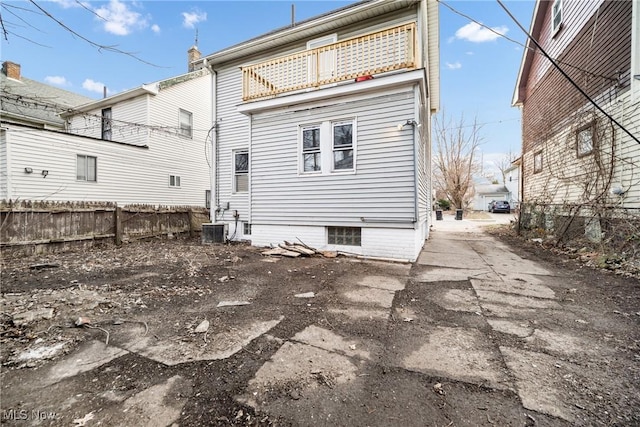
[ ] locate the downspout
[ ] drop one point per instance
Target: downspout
(416, 155)
(215, 202)
(249, 213)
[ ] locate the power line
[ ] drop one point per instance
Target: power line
(457, 12)
(565, 75)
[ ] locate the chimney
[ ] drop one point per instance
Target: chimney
(193, 55)
(11, 70)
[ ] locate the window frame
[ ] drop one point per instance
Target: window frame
(538, 165)
(237, 172)
(315, 152)
(350, 147)
(86, 172)
(343, 239)
(556, 11)
(174, 181)
(591, 128)
(106, 124)
(185, 129)
(246, 229)
(327, 148)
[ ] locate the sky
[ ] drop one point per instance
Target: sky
(83, 46)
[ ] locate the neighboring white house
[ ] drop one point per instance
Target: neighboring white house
(513, 182)
(147, 145)
(486, 193)
(323, 130)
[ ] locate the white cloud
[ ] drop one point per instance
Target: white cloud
(454, 66)
(118, 19)
(190, 19)
(57, 80)
(93, 86)
(67, 4)
(155, 28)
(478, 34)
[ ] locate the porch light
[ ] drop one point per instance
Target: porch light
(408, 123)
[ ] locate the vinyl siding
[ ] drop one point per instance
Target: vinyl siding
(233, 134)
(4, 171)
(381, 189)
(125, 115)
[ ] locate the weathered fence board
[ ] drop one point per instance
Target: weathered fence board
(26, 226)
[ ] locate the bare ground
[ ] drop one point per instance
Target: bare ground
(148, 301)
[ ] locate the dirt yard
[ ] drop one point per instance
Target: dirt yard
(174, 332)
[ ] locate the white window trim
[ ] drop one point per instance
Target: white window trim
(536, 155)
(177, 181)
(327, 166)
(180, 111)
(87, 156)
(554, 28)
(234, 173)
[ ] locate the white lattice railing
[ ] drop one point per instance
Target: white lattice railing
(379, 52)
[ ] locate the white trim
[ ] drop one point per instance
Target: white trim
(373, 85)
(233, 170)
(327, 166)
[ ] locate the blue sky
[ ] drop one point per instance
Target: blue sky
(478, 67)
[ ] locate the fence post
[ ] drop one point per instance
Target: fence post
(192, 231)
(118, 223)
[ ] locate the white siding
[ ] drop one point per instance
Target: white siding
(125, 174)
(400, 244)
(233, 134)
(129, 120)
(381, 190)
(4, 172)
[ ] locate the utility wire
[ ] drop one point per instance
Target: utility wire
(565, 75)
(457, 12)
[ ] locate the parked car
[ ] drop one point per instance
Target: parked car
(499, 206)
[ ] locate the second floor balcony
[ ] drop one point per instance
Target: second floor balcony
(356, 58)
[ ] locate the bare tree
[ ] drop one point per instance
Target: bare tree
(455, 158)
(504, 164)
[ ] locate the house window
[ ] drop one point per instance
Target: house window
(174, 181)
(241, 171)
(246, 229)
(207, 199)
(537, 162)
(186, 123)
(349, 236)
(343, 146)
(556, 16)
(107, 124)
(328, 147)
(584, 141)
(86, 168)
(311, 149)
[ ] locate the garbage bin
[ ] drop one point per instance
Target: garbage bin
(438, 215)
(459, 214)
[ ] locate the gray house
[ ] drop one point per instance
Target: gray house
(322, 130)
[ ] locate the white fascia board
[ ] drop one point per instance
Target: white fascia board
(373, 85)
(146, 89)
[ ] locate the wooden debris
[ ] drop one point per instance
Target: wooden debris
(297, 248)
(281, 252)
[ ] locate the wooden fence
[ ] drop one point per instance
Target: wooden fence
(38, 227)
